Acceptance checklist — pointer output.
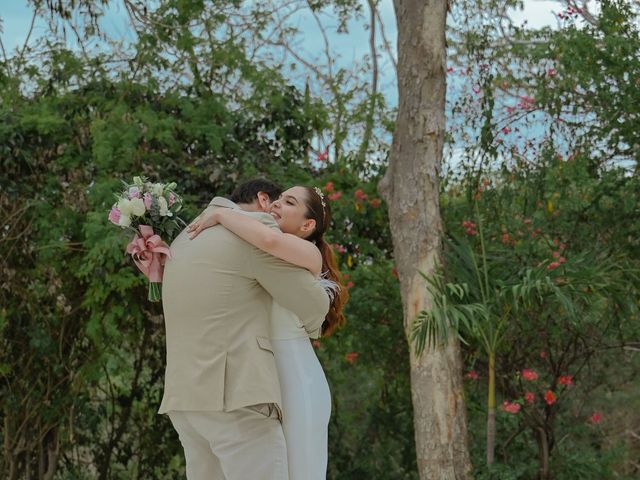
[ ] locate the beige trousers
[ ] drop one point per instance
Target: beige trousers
(245, 444)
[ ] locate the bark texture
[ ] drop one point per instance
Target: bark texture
(411, 189)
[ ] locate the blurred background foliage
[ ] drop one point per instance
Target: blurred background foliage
(542, 164)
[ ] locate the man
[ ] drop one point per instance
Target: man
(221, 387)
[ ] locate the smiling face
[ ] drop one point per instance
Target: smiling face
(290, 212)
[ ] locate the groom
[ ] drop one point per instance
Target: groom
(221, 386)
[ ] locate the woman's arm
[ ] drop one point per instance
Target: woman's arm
(288, 247)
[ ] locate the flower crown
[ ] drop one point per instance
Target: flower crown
(321, 195)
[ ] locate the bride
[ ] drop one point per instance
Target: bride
(303, 215)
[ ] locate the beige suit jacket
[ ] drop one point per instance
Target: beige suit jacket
(217, 292)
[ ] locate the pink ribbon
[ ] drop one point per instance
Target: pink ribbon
(147, 250)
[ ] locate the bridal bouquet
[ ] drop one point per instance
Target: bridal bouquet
(148, 210)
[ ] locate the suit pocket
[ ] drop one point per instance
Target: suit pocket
(265, 344)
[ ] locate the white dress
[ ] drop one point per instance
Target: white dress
(306, 399)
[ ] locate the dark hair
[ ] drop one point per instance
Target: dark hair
(248, 191)
(318, 209)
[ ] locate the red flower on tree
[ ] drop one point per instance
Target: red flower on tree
(328, 187)
(565, 380)
(351, 357)
(596, 417)
(323, 156)
(360, 195)
(550, 397)
(472, 375)
(510, 407)
(529, 375)
(530, 397)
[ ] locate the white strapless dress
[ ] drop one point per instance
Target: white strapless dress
(306, 399)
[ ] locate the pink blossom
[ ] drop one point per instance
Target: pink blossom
(510, 407)
(506, 130)
(553, 265)
(172, 199)
(114, 216)
(596, 417)
(349, 284)
(476, 89)
(527, 102)
(351, 357)
(505, 238)
(530, 375)
(551, 72)
(360, 195)
(529, 397)
(556, 254)
(562, 260)
(334, 196)
(543, 354)
(550, 397)
(565, 380)
(323, 156)
(134, 192)
(449, 69)
(148, 200)
(339, 248)
(328, 187)
(472, 375)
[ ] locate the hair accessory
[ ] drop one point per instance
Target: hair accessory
(321, 195)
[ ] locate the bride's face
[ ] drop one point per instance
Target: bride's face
(290, 212)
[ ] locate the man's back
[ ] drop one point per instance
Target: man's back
(217, 312)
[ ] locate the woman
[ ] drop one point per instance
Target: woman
(303, 215)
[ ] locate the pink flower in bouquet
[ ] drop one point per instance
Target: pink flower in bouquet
(148, 200)
(172, 199)
(134, 192)
(147, 250)
(114, 216)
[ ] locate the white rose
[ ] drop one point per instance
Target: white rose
(157, 189)
(125, 207)
(125, 220)
(137, 207)
(164, 207)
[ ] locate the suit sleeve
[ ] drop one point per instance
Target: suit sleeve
(294, 288)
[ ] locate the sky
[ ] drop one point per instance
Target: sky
(347, 50)
(15, 16)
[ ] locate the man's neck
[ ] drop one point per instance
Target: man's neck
(249, 207)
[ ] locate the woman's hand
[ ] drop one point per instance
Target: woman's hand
(209, 218)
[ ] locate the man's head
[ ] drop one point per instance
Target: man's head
(256, 195)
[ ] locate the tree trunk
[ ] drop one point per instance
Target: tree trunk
(411, 189)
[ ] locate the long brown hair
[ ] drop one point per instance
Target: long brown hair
(318, 209)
